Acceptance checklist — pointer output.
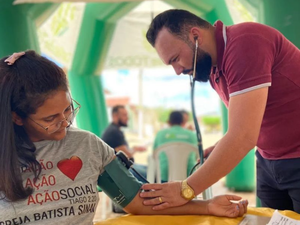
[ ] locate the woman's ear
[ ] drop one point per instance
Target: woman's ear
(17, 119)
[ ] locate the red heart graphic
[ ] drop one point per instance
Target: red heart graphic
(70, 167)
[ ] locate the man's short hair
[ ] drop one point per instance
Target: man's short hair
(177, 21)
(116, 108)
(175, 118)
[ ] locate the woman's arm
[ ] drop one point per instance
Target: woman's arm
(218, 206)
(121, 186)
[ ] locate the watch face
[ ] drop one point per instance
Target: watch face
(187, 193)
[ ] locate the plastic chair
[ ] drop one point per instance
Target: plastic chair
(178, 154)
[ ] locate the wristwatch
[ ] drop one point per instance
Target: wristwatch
(187, 191)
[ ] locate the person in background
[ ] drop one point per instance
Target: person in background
(175, 133)
(115, 138)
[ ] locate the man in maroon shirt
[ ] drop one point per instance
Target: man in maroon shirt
(256, 72)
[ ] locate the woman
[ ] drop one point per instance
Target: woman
(48, 170)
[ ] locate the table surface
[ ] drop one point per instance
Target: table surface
(254, 216)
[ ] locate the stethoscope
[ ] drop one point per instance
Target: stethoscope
(127, 163)
(192, 82)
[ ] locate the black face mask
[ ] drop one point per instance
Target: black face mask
(203, 66)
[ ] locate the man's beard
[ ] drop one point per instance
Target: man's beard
(203, 66)
(121, 124)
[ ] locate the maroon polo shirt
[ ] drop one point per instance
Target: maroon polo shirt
(257, 56)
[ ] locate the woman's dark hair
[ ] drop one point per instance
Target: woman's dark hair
(177, 21)
(24, 86)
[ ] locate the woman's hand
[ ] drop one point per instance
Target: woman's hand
(223, 206)
(163, 196)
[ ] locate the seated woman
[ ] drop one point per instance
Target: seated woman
(49, 171)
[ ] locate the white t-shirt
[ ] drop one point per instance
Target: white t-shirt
(66, 192)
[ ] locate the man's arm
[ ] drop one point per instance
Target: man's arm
(245, 117)
(130, 152)
(124, 149)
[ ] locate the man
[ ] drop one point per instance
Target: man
(255, 71)
(175, 133)
(115, 138)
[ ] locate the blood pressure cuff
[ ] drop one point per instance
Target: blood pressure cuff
(118, 183)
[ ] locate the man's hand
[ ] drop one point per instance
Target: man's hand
(139, 148)
(223, 206)
(208, 151)
(163, 196)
